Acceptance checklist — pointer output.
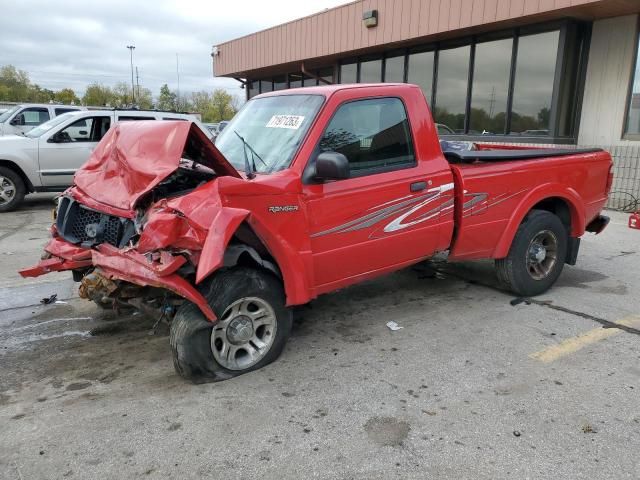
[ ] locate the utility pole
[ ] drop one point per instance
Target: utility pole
(138, 83)
(133, 93)
(492, 101)
(178, 75)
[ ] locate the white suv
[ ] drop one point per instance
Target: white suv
(46, 158)
(22, 118)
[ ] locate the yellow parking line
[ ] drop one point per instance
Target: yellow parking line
(572, 345)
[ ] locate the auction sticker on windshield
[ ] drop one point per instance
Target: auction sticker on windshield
(285, 121)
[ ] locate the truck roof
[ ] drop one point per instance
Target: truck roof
(328, 90)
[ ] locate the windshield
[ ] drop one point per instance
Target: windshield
(273, 127)
(8, 113)
(46, 126)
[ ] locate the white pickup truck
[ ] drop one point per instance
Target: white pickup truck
(22, 118)
(45, 158)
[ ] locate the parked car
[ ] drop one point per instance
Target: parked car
(46, 158)
(305, 192)
(222, 125)
(22, 118)
(213, 128)
(444, 130)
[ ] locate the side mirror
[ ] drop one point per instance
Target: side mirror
(18, 120)
(332, 166)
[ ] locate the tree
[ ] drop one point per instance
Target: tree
(223, 105)
(145, 99)
(99, 96)
(122, 94)
(167, 98)
(66, 96)
(16, 83)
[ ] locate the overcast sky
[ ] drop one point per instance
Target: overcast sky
(69, 43)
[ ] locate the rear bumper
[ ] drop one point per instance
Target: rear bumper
(598, 224)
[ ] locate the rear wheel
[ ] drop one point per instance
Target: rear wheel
(12, 189)
(537, 255)
(252, 328)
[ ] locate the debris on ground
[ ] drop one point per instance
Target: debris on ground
(49, 300)
(519, 300)
(516, 433)
(393, 326)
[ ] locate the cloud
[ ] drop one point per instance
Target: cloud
(73, 43)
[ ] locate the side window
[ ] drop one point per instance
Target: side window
(100, 127)
(129, 118)
(60, 111)
(33, 116)
(169, 118)
(90, 129)
(373, 134)
(78, 131)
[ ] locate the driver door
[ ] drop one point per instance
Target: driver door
(64, 151)
(388, 212)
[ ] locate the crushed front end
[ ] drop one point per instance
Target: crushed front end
(133, 226)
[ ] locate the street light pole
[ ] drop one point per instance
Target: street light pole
(133, 94)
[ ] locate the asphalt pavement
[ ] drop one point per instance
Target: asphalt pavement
(476, 385)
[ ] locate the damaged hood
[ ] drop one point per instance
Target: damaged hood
(134, 157)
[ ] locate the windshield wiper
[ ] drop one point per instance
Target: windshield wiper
(250, 168)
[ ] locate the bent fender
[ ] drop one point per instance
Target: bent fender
(224, 225)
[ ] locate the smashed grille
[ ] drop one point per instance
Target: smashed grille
(80, 225)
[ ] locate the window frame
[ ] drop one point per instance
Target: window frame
(39, 110)
(373, 170)
(634, 137)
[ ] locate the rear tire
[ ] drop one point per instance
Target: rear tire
(251, 331)
(12, 189)
(537, 255)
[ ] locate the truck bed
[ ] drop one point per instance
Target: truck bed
(508, 155)
(495, 188)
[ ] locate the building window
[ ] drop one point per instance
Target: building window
(280, 83)
(451, 90)
(253, 88)
(394, 69)
(533, 90)
(632, 127)
(295, 80)
(371, 71)
(421, 72)
(349, 73)
(373, 134)
(266, 86)
(326, 74)
(491, 70)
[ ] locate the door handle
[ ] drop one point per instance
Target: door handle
(418, 186)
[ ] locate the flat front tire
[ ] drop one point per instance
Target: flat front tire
(252, 328)
(537, 255)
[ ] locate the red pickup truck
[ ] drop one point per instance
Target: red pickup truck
(305, 192)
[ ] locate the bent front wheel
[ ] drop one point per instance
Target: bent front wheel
(252, 328)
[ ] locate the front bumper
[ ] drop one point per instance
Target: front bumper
(127, 265)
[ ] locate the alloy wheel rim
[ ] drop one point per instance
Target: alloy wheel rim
(542, 255)
(244, 334)
(7, 190)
